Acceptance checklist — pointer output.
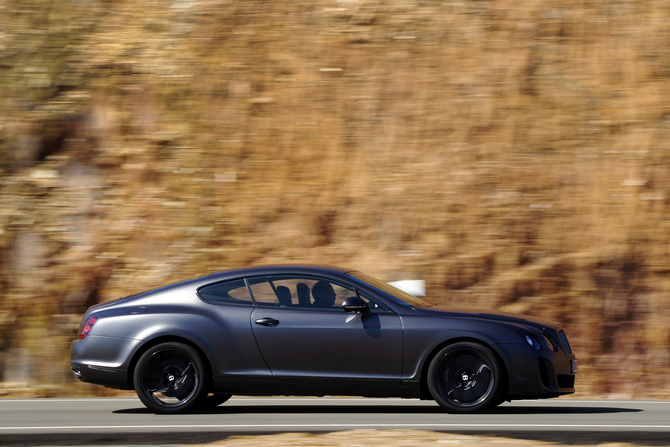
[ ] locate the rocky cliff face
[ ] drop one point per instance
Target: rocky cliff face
(513, 155)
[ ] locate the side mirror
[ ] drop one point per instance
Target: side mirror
(357, 305)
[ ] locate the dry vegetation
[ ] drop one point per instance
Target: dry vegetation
(396, 438)
(512, 154)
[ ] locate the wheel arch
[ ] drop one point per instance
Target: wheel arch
(165, 339)
(423, 383)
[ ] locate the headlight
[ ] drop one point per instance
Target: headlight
(533, 342)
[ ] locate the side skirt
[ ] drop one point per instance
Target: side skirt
(300, 386)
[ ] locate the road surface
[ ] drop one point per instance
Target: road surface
(115, 421)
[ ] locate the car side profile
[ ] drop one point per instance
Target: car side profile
(314, 331)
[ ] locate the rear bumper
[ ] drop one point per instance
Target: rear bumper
(103, 360)
(109, 377)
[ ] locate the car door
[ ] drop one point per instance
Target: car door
(306, 337)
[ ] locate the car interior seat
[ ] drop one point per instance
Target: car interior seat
(303, 295)
(284, 296)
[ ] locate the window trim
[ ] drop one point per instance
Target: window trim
(384, 308)
(251, 302)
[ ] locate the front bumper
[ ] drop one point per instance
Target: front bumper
(542, 374)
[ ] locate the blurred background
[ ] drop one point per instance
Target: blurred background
(514, 155)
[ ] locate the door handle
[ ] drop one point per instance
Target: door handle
(267, 322)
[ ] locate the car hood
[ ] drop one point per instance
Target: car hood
(479, 314)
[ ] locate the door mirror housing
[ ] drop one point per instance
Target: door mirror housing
(357, 305)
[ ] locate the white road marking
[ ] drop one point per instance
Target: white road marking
(41, 400)
(579, 401)
(338, 426)
(346, 399)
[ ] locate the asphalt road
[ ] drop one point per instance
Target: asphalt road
(115, 421)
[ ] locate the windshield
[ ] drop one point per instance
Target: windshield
(400, 296)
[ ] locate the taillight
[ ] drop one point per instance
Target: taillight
(87, 326)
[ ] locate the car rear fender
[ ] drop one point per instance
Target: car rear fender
(159, 338)
(223, 334)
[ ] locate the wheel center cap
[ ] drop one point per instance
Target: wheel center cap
(170, 377)
(465, 377)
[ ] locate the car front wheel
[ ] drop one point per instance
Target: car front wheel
(465, 378)
(169, 378)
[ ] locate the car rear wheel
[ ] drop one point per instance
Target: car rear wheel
(169, 378)
(465, 378)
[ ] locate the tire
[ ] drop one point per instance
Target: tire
(169, 378)
(465, 378)
(214, 400)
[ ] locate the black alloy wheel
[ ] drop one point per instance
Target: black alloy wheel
(169, 378)
(465, 378)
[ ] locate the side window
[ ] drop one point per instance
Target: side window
(306, 292)
(375, 306)
(301, 292)
(229, 292)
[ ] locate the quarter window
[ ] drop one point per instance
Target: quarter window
(230, 292)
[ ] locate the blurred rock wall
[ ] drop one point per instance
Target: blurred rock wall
(511, 154)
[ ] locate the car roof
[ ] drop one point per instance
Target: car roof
(281, 269)
(262, 270)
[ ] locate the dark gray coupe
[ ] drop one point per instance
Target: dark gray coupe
(314, 331)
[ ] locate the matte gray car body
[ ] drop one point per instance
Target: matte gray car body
(312, 351)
